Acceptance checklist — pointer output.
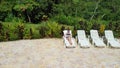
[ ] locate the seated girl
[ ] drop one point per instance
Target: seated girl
(68, 36)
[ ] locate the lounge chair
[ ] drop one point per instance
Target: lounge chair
(111, 41)
(66, 42)
(83, 41)
(96, 40)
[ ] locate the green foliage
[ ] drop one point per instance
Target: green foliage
(31, 33)
(20, 30)
(101, 30)
(26, 34)
(1, 31)
(32, 30)
(42, 30)
(67, 20)
(11, 18)
(117, 29)
(1, 27)
(54, 29)
(15, 31)
(115, 26)
(5, 6)
(36, 34)
(5, 33)
(34, 10)
(83, 25)
(50, 29)
(96, 26)
(52, 16)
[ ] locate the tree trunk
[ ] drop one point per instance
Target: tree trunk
(76, 12)
(29, 18)
(102, 16)
(95, 10)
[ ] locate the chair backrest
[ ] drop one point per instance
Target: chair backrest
(94, 34)
(81, 34)
(65, 31)
(109, 35)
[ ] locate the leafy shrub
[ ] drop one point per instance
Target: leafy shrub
(110, 26)
(62, 19)
(12, 30)
(7, 36)
(9, 30)
(11, 18)
(50, 29)
(101, 30)
(31, 33)
(44, 18)
(42, 30)
(62, 28)
(54, 29)
(36, 34)
(26, 34)
(1, 32)
(117, 26)
(20, 30)
(32, 30)
(96, 26)
(67, 20)
(15, 31)
(117, 29)
(4, 32)
(83, 25)
(74, 31)
(1, 28)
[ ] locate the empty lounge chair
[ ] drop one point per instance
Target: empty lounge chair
(111, 41)
(83, 41)
(96, 40)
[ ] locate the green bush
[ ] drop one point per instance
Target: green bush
(50, 29)
(42, 30)
(1, 32)
(26, 34)
(66, 20)
(5, 32)
(1, 27)
(31, 33)
(101, 30)
(9, 30)
(32, 30)
(96, 26)
(16, 31)
(117, 29)
(20, 29)
(12, 18)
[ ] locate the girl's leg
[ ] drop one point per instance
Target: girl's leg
(70, 40)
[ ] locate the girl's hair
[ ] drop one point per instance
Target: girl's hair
(68, 28)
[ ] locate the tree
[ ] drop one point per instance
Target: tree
(25, 8)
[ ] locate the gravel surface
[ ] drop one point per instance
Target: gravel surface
(51, 53)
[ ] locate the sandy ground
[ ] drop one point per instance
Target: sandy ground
(51, 53)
